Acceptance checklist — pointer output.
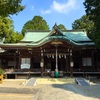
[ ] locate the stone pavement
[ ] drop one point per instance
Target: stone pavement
(31, 82)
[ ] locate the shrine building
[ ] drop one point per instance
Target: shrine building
(40, 53)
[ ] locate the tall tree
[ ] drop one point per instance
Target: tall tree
(7, 31)
(37, 23)
(13, 37)
(5, 26)
(84, 23)
(93, 10)
(10, 7)
(62, 27)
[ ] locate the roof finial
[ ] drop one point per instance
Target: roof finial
(55, 25)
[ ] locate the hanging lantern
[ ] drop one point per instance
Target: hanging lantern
(52, 56)
(59, 56)
(65, 56)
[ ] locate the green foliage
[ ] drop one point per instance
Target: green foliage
(62, 27)
(7, 31)
(7, 8)
(13, 37)
(37, 23)
(2, 72)
(97, 41)
(93, 10)
(10, 7)
(5, 26)
(84, 23)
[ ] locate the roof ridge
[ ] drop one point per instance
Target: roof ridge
(38, 31)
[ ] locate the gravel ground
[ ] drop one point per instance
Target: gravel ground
(15, 90)
(66, 92)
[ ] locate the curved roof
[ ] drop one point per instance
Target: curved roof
(39, 38)
(34, 36)
(74, 37)
(60, 38)
(77, 36)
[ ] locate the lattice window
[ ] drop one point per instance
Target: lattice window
(86, 61)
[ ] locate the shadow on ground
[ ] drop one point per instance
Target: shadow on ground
(92, 91)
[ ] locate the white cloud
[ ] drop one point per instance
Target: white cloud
(61, 7)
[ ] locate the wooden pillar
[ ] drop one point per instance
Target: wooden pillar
(93, 60)
(67, 66)
(14, 61)
(56, 59)
(19, 62)
(80, 61)
(71, 64)
(32, 63)
(97, 60)
(42, 63)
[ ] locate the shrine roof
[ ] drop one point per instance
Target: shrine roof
(34, 36)
(76, 37)
(38, 38)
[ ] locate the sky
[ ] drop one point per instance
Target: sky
(53, 11)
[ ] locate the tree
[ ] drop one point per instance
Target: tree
(37, 23)
(93, 10)
(62, 27)
(84, 23)
(7, 31)
(7, 8)
(5, 26)
(10, 7)
(13, 37)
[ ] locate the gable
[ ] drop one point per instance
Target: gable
(56, 31)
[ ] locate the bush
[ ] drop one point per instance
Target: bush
(2, 72)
